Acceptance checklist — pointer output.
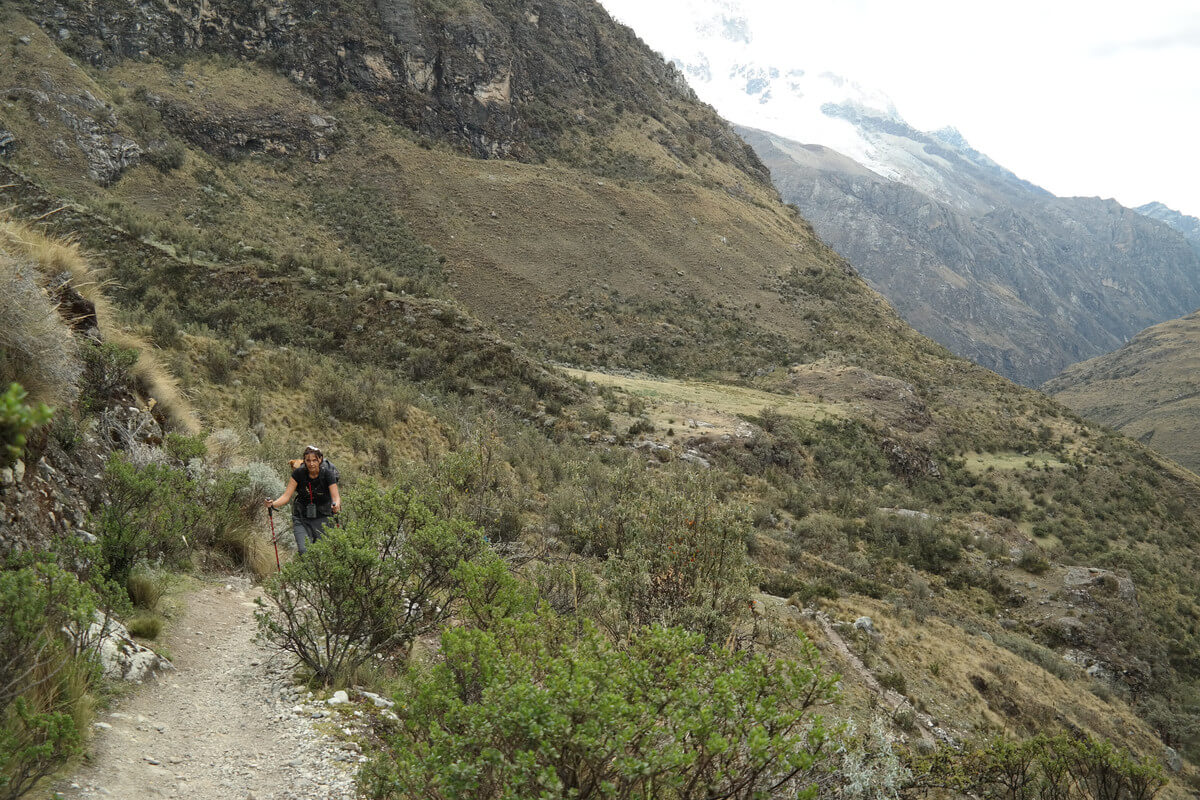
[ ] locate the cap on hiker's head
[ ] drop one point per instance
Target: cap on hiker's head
(312, 448)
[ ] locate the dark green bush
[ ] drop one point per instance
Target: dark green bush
(184, 448)
(150, 513)
(1061, 767)
(392, 573)
(529, 709)
(159, 512)
(678, 558)
(167, 157)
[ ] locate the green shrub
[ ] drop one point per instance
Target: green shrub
(678, 558)
(894, 681)
(167, 157)
(106, 374)
(43, 677)
(17, 420)
(1033, 563)
(184, 448)
(164, 327)
(1064, 767)
(530, 710)
(392, 573)
(149, 514)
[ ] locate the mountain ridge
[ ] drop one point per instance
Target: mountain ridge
(1015, 279)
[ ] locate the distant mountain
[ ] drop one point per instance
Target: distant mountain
(992, 266)
(1188, 226)
(1149, 389)
(996, 269)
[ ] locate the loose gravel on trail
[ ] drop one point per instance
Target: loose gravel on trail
(226, 724)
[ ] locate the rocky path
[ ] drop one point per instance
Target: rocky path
(227, 724)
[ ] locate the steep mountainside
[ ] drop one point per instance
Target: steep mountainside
(1000, 272)
(1188, 226)
(1149, 389)
(386, 226)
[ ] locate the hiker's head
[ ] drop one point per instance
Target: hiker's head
(313, 456)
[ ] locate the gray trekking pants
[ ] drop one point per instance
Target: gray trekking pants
(307, 530)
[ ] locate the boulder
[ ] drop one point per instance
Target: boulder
(120, 656)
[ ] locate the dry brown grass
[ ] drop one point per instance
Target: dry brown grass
(54, 257)
(945, 666)
(252, 548)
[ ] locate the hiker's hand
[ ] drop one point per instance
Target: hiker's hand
(337, 507)
(269, 504)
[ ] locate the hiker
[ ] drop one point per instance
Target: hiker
(315, 484)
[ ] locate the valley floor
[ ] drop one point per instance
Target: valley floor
(223, 725)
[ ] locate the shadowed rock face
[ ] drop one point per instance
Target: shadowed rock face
(999, 271)
(501, 78)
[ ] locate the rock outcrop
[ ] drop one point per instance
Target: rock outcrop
(496, 78)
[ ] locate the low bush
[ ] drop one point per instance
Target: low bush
(159, 513)
(678, 558)
(368, 589)
(107, 374)
(1065, 767)
(530, 709)
(150, 512)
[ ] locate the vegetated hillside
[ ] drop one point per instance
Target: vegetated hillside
(322, 260)
(1148, 390)
(999, 271)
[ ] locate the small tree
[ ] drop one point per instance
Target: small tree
(370, 588)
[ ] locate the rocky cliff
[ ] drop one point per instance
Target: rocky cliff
(999, 271)
(503, 79)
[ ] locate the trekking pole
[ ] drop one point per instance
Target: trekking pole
(274, 541)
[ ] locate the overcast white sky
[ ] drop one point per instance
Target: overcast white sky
(1082, 98)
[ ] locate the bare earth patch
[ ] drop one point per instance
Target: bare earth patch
(228, 723)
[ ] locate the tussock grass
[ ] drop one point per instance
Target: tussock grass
(148, 625)
(145, 590)
(250, 546)
(37, 349)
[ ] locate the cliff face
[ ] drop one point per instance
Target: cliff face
(501, 79)
(1017, 280)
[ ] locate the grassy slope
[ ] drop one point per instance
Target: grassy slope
(581, 262)
(1147, 389)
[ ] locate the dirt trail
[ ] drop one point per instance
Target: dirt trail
(225, 725)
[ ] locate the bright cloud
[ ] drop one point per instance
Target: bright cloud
(1083, 98)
